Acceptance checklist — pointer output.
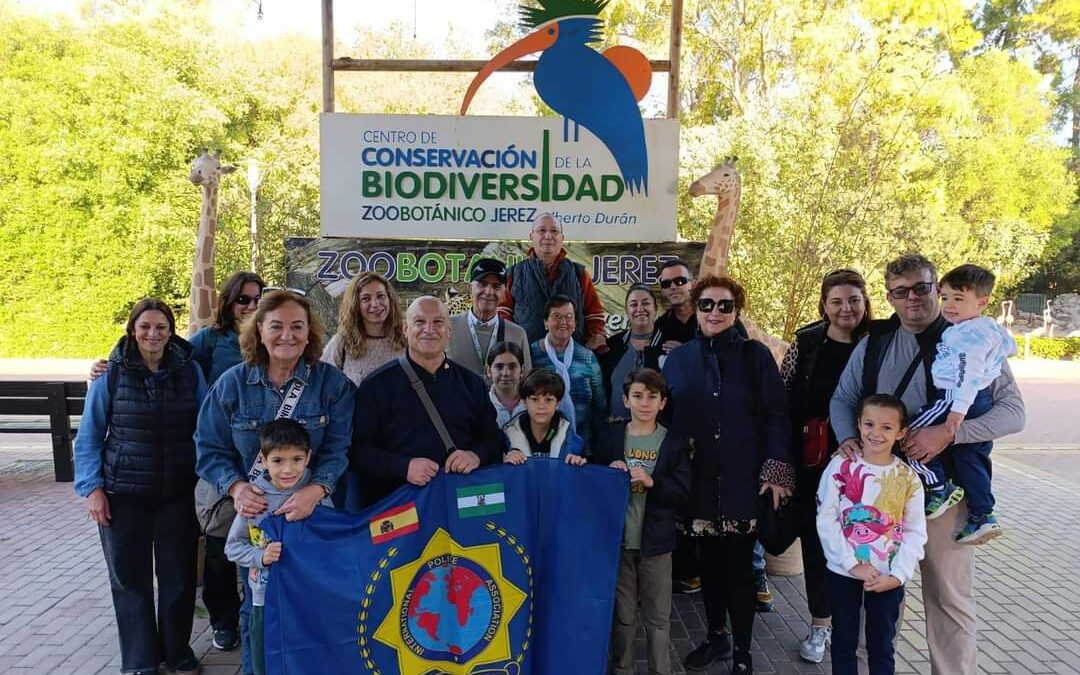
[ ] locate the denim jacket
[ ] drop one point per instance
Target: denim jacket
(244, 398)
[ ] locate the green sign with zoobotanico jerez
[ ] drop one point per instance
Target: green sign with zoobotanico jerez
(323, 267)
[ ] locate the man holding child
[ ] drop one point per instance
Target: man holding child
(896, 359)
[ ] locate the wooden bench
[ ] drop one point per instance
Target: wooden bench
(56, 400)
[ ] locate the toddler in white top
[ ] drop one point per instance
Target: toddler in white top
(969, 358)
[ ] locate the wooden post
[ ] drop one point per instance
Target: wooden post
(674, 54)
(328, 55)
(60, 429)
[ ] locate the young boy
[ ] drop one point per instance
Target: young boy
(658, 462)
(872, 525)
(285, 449)
(969, 359)
(542, 431)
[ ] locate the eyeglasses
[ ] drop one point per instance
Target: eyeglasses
(675, 281)
(706, 305)
(901, 292)
(295, 291)
(246, 300)
(561, 318)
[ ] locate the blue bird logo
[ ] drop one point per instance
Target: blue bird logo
(599, 91)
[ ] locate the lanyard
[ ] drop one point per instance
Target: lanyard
(496, 336)
(288, 407)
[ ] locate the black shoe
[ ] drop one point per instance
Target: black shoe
(742, 663)
(763, 596)
(226, 639)
(716, 648)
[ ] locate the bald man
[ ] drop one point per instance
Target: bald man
(394, 440)
(547, 272)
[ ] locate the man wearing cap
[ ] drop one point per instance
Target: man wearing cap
(474, 333)
(547, 272)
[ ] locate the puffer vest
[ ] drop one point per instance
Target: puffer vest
(531, 289)
(149, 446)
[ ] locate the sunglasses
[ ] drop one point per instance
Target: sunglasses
(294, 291)
(246, 300)
(706, 305)
(674, 281)
(902, 292)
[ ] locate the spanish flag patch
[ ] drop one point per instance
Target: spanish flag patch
(393, 523)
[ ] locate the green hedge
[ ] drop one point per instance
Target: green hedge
(1058, 348)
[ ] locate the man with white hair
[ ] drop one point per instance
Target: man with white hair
(475, 332)
(547, 272)
(395, 438)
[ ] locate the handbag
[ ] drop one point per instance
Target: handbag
(777, 528)
(215, 511)
(815, 443)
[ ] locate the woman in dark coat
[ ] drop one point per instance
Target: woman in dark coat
(811, 371)
(728, 398)
(135, 464)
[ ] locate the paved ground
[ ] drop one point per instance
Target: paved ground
(56, 614)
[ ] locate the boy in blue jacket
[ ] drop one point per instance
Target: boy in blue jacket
(659, 467)
(285, 450)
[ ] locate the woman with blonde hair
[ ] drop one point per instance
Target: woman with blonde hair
(370, 329)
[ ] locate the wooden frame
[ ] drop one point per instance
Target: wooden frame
(330, 64)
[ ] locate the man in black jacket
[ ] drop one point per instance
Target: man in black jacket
(395, 440)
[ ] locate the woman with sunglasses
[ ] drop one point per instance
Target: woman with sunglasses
(280, 376)
(727, 396)
(636, 347)
(811, 370)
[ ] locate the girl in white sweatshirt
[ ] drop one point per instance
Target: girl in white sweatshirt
(872, 524)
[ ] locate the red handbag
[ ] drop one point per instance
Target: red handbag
(815, 445)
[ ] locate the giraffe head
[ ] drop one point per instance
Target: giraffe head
(723, 180)
(207, 169)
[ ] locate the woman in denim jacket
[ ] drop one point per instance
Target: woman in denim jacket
(281, 346)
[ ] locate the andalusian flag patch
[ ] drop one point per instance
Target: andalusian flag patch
(481, 500)
(393, 523)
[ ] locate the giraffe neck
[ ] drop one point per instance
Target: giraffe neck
(715, 259)
(203, 294)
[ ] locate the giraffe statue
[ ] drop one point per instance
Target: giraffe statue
(206, 171)
(724, 182)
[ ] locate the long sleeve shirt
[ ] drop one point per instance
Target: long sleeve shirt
(869, 513)
(969, 358)
(391, 426)
(1004, 418)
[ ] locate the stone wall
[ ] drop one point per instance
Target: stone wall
(1065, 310)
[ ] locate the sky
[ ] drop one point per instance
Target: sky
(429, 18)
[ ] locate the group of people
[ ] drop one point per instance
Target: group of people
(275, 420)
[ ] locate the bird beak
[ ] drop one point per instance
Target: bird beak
(537, 41)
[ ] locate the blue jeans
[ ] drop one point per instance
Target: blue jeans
(970, 462)
(847, 597)
(245, 623)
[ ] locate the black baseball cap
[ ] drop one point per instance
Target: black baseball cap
(486, 266)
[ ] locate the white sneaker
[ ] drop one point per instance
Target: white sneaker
(813, 647)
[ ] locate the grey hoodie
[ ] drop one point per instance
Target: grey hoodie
(245, 542)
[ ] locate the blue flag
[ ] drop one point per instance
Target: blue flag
(509, 570)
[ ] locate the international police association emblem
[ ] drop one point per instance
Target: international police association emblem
(451, 610)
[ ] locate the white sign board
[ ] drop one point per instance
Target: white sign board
(425, 176)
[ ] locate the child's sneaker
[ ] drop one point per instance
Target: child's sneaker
(943, 499)
(979, 530)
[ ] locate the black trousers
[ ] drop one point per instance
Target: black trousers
(727, 582)
(882, 613)
(817, 592)
(220, 594)
(684, 559)
(145, 537)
